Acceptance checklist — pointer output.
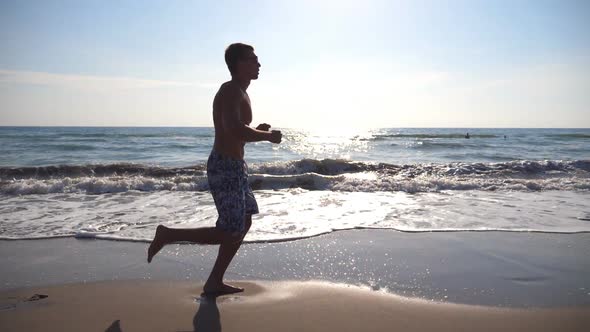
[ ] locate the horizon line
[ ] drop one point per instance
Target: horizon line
(198, 126)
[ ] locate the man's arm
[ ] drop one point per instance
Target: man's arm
(232, 121)
(263, 127)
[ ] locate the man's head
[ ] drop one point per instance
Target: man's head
(241, 61)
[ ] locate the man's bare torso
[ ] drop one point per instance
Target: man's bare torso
(226, 142)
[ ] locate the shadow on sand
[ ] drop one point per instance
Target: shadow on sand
(207, 318)
(115, 327)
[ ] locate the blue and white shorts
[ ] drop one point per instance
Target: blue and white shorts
(228, 182)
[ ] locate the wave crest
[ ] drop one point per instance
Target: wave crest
(310, 174)
(100, 170)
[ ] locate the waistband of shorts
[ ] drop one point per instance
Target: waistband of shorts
(216, 155)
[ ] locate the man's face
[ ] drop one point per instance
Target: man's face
(249, 66)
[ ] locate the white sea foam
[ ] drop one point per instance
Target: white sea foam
(293, 213)
(118, 183)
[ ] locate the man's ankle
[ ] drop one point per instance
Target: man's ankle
(213, 282)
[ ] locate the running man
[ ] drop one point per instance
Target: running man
(227, 172)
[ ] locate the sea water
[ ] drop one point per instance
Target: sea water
(120, 182)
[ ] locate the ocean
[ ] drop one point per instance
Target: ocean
(118, 183)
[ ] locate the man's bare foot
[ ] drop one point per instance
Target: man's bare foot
(158, 242)
(223, 289)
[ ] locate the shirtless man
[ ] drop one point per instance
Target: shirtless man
(227, 172)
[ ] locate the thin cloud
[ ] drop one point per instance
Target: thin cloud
(89, 82)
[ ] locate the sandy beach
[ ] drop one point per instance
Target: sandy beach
(265, 306)
(373, 280)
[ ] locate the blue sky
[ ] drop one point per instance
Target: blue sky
(324, 63)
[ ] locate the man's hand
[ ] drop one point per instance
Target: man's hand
(263, 127)
(275, 136)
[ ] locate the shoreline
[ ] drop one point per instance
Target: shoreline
(92, 236)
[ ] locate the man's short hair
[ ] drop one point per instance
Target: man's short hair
(234, 53)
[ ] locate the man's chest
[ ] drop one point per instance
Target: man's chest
(246, 111)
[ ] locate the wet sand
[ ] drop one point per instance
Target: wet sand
(490, 268)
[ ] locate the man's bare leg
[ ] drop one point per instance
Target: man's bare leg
(203, 235)
(215, 284)
(227, 251)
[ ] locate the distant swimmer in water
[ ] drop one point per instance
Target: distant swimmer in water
(467, 136)
(505, 137)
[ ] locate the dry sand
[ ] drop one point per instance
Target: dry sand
(265, 306)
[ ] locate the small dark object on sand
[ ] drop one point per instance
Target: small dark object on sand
(37, 297)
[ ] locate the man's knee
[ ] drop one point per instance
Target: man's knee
(233, 237)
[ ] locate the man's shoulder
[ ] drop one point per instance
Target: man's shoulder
(229, 93)
(230, 88)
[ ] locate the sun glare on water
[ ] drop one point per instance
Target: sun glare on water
(334, 143)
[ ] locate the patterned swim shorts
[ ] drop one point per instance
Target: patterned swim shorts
(228, 182)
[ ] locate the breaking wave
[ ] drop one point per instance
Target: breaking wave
(309, 174)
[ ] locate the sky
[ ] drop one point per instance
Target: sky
(325, 63)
